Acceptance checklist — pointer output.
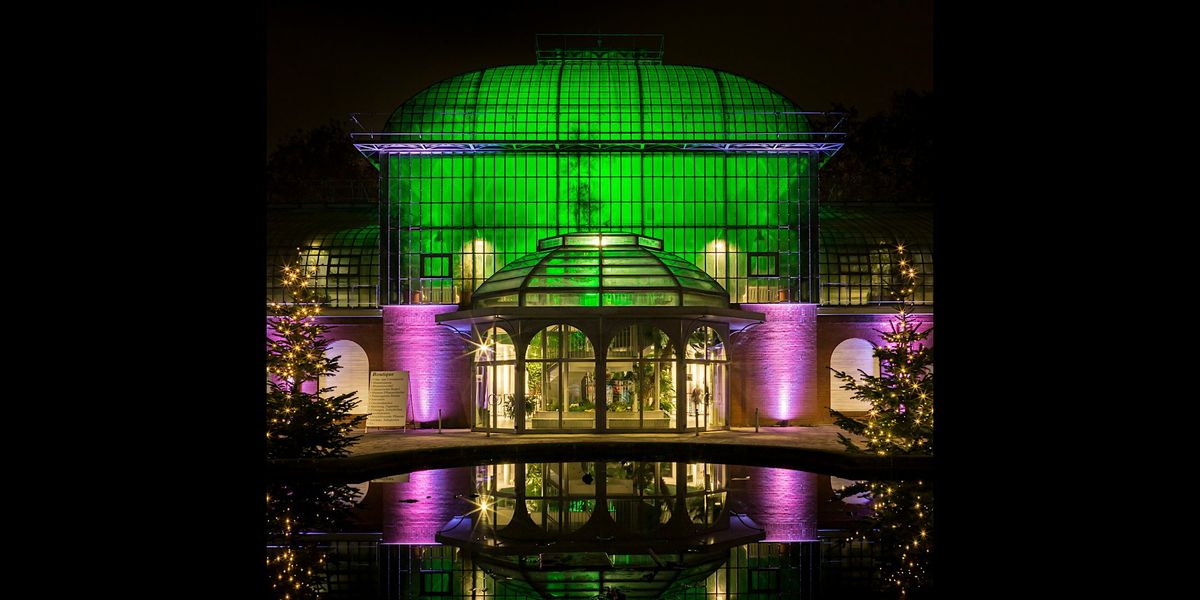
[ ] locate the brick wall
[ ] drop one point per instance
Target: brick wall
(436, 358)
(835, 329)
(772, 366)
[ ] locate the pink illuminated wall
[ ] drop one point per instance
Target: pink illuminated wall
(773, 366)
(783, 502)
(436, 358)
(407, 522)
(834, 329)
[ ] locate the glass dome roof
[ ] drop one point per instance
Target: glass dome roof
(600, 269)
(600, 101)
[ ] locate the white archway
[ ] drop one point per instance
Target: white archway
(354, 375)
(850, 356)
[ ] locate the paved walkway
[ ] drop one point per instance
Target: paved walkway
(821, 437)
(381, 453)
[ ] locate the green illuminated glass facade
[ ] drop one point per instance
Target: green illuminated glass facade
(597, 146)
(858, 259)
(340, 246)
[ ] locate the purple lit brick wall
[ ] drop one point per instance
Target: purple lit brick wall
(407, 522)
(781, 501)
(772, 366)
(363, 331)
(835, 329)
(436, 358)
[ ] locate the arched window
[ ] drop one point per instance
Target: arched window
(560, 380)
(707, 372)
(850, 356)
(640, 383)
(354, 375)
(495, 380)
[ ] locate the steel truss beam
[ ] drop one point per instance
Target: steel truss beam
(374, 149)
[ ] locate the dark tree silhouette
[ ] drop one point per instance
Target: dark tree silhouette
(319, 165)
(887, 157)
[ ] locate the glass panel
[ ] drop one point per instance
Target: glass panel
(609, 260)
(580, 395)
(638, 282)
(696, 387)
(543, 414)
(505, 349)
(663, 298)
(587, 240)
(650, 243)
(562, 299)
(654, 343)
(509, 273)
(482, 400)
(621, 396)
(716, 416)
(618, 240)
(552, 386)
(503, 382)
(493, 285)
(647, 270)
(578, 344)
(535, 348)
(560, 269)
(661, 413)
(563, 282)
(509, 300)
(553, 337)
(622, 344)
(701, 300)
(700, 284)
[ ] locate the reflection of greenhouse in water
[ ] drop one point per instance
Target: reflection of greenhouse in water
(571, 530)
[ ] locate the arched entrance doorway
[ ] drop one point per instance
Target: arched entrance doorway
(850, 356)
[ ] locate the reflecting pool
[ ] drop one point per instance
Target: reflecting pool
(611, 530)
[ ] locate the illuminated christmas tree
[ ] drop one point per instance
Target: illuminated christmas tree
(900, 417)
(302, 425)
(899, 421)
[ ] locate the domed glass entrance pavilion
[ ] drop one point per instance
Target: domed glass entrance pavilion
(600, 332)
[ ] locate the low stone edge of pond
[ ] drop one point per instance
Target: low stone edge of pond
(381, 464)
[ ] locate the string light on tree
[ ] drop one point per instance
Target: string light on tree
(302, 425)
(899, 422)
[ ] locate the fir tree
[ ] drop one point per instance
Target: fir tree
(303, 425)
(900, 417)
(899, 421)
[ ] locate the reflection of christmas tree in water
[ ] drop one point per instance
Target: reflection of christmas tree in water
(898, 422)
(900, 525)
(302, 425)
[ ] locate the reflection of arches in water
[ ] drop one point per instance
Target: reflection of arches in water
(562, 498)
(838, 484)
(354, 375)
(850, 356)
(622, 533)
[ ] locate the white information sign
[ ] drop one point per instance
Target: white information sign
(388, 399)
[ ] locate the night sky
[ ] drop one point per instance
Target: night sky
(323, 63)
